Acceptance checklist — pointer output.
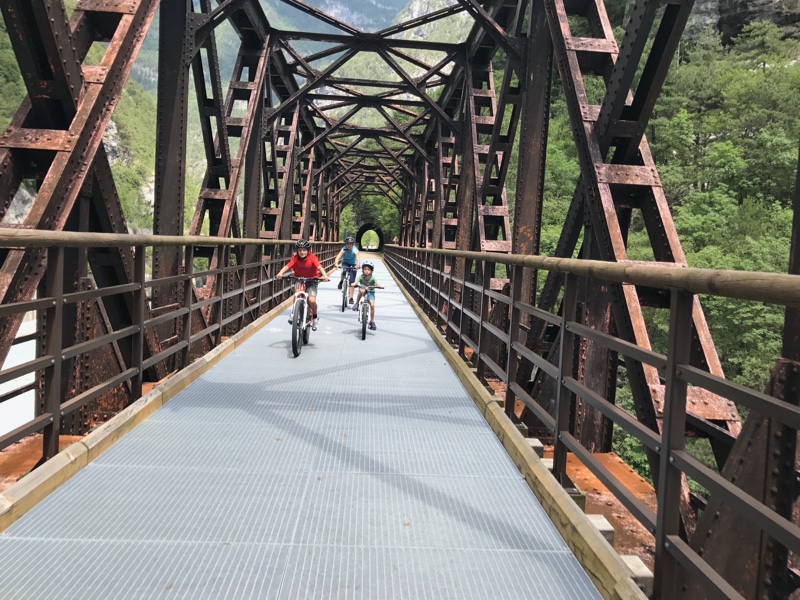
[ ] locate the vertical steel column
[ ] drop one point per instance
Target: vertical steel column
(439, 302)
(517, 285)
(218, 308)
(433, 300)
(566, 370)
(54, 285)
(669, 486)
(171, 129)
(188, 298)
(486, 285)
(138, 311)
(538, 79)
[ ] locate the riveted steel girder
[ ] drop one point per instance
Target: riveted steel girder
(54, 140)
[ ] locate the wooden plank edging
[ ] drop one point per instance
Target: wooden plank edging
(604, 566)
(41, 482)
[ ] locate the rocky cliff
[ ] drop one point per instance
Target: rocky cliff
(733, 14)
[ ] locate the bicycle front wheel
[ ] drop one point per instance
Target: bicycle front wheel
(364, 319)
(345, 287)
(297, 327)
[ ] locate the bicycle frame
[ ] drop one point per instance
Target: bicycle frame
(346, 284)
(300, 323)
(300, 293)
(364, 311)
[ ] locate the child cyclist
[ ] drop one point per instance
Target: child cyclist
(366, 278)
(348, 259)
(306, 264)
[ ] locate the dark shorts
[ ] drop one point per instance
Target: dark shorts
(351, 274)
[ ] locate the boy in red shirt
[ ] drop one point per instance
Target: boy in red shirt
(305, 264)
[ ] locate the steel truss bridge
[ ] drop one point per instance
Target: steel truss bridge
(287, 150)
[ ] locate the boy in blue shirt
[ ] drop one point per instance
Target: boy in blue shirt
(366, 278)
(348, 259)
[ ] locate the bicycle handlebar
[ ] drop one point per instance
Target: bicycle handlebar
(293, 276)
(371, 287)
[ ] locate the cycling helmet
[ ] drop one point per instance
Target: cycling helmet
(302, 244)
(349, 240)
(368, 263)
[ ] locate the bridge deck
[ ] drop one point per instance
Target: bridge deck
(360, 469)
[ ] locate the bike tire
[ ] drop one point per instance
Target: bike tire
(306, 333)
(345, 287)
(364, 320)
(297, 328)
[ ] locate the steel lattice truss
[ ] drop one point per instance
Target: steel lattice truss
(286, 150)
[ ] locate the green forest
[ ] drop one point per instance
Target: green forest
(724, 134)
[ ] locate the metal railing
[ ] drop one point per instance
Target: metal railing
(234, 295)
(426, 273)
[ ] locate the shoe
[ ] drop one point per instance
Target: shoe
(291, 319)
(355, 307)
(314, 324)
(340, 284)
(351, 300)
(372, 325)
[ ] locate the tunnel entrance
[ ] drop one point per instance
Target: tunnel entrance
(362, 238)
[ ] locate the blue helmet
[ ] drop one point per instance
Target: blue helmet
(368, 263)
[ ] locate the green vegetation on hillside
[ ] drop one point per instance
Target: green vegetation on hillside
(371, 208)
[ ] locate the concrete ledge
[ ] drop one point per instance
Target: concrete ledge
(537, 446)
(641, 574)
(39, 483)
(613, 578)
(605, 528)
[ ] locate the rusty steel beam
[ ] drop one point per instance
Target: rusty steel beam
(370, 39)
(536, 92)
(507, 43)
(763, 463)
(279, 156)
(59, 127)
(607, 223)
(442, 13)
(172, 111)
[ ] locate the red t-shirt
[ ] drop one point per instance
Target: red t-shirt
(305, 268)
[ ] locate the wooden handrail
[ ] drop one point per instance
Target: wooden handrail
(772, 288)
(36, 238)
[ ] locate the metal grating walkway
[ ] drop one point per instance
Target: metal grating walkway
(360, 469)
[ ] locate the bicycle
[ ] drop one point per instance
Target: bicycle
(301, 323)
(346, 270)
(363, 310)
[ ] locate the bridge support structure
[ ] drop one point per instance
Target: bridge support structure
(298, 136)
